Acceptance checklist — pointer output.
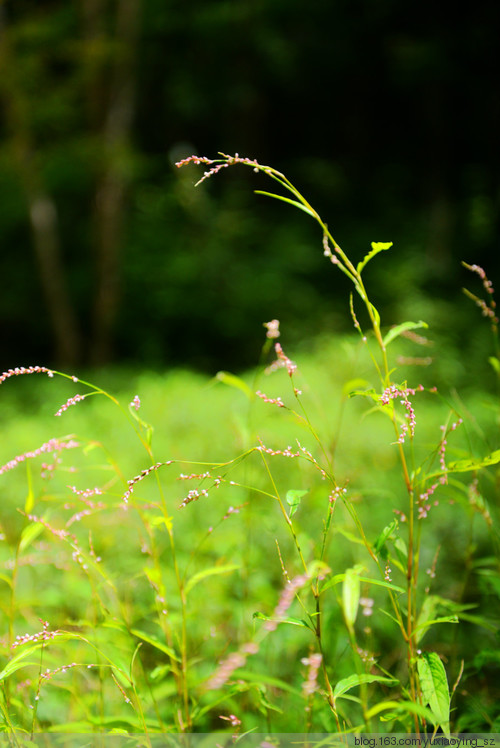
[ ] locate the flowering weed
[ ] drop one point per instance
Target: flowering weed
(304, 572)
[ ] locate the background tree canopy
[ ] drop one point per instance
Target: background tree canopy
(386, 115)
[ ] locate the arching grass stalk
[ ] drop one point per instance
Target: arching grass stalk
(334, 252)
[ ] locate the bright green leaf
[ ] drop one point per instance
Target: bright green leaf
(18, 661)
(356, 680)
(366, 393)
(377, 582)
(293, 621)
(155, 643)
(376, 248)
(293, 499)
(394, 332)
(434, 686)
(400, 706)
(233, 381)
(6, 579)
(354, 385)
(400, 546)
(468, 464)
(495, 363)
(29, 534)
(30, 498)
(350, 596)
(161, 520)
(286, 200)
(386, 533)
(210, 572)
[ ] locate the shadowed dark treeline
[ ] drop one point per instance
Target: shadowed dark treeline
(386, 115)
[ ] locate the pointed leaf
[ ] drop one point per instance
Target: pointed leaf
(379, 545)
(30, 498)
(213, 570)
(355, 680)
(366, 393)
(400, 706)
(350, 596)
(376, 248)
(18, 661)
(394, 332)
(29, 534)
(155, 643)
(6, 579)
(233, 381)
(434, 685)
(466, 465)
(293, 621)
(286, 200)
(354, 385)
(495, 363)
(293, 499)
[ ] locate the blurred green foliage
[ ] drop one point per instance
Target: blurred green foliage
(384, 117)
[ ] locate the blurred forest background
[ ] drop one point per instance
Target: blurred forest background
(386, 115)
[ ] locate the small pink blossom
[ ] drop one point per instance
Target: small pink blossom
(136, 403)
(272, 328)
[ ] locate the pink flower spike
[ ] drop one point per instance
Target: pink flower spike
(19, 370)
(68, 403)
(273, 401)
(291, 367)
(52, 446)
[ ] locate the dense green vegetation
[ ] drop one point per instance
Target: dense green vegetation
(112, 606)
(311, 547)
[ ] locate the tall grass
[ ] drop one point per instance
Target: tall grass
(309, 547)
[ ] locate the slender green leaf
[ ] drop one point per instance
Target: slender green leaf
(427, 612)
(401, 706)
(366, 393)
(30, 498)
(210, 572)
(293, 621)
(155, 643)
(286, 200)
(355, 385)
(6, 579)
(394, 332)
(462, 466)
(350, 596)
(376, 248)
(471, 463)
(356, 680)
(422, 628)
(233, 381)
(434, 686)
(264, 678)
(495, 363)
(18, 661)
(293, 499)
(402, 551)
(29, 534)
(377, 582)
(386, 533)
